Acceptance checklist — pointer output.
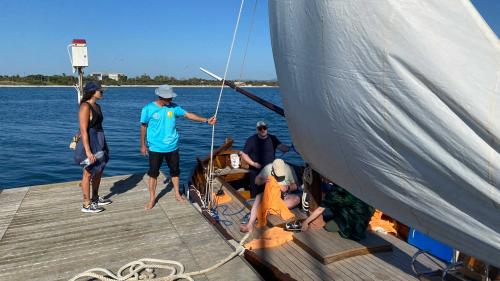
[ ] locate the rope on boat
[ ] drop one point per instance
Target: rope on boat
(209, 186)
(248, 38)
(307, 176)
(143, 269)
(224, 209)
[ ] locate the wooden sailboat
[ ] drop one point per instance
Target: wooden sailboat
(406, 95)
(397, 102)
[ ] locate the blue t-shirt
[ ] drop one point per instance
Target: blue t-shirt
(161, 134)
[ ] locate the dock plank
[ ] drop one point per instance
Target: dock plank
(44, 236)
(10, 200)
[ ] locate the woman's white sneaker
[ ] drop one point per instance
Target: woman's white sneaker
(92, 208)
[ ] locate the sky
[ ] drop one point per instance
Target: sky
(154, 37)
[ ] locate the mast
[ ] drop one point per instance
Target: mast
(255, 98)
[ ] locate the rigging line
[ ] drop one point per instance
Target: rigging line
(248, 39)
(210, 169)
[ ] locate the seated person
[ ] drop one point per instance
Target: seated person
(258, 152)
(350, 215)
(280, 194)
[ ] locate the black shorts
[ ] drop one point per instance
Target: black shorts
(254, 188)
(172, 159)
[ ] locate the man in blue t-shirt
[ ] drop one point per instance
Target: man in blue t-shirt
(259, 151)
(159, 130)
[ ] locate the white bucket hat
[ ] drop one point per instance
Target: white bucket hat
(279, 167)
(165, 91)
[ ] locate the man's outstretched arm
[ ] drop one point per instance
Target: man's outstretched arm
(191, 116)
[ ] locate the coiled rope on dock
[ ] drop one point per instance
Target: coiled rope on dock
(143, 269)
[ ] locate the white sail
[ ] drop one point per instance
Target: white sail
(399, 102)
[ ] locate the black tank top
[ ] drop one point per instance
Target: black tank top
(97, 117)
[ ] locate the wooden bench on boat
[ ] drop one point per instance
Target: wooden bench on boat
(328, 247)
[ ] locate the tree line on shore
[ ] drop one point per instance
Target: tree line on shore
(65, 80)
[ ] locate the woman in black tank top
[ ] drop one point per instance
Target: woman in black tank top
(94, 146)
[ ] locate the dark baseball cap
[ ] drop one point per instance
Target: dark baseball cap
(92, 86)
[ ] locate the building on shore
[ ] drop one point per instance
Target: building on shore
(113, 76)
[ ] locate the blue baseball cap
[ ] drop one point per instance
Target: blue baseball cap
(92, 86)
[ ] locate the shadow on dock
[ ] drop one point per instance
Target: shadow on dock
(124, 185)
(168, 187)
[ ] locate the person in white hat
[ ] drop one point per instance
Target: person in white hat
(287, 181)
(259, 151)
(159, 138)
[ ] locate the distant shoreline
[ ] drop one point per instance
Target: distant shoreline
(128, 86)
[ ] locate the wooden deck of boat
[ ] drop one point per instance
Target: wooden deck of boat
(44, 236)
(292, 259)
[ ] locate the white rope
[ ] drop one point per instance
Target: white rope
(143, 269)
(209, 190)
(248, 39)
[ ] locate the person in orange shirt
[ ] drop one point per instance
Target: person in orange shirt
(279, 179)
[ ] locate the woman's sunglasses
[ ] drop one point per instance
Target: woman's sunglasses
(262, 128)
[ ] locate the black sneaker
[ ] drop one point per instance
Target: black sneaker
(293, 226)
(92, 208)
(102, 202)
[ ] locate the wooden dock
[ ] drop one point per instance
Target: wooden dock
(45, 236)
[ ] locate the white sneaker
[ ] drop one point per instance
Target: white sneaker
(92, 208)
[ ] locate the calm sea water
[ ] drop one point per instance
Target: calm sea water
(38, 124)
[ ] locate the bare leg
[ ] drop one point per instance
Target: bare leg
(86, 187)
(152, 193)
(253, 215)
(96, 181)
(178, 195)
(291, 201)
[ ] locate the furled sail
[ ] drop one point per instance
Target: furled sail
(399, 102)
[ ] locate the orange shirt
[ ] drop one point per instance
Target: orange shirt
(272, 203)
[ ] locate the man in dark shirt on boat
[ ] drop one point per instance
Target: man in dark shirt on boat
(158, 127)
(259, 151)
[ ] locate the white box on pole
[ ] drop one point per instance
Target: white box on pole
(79, 53)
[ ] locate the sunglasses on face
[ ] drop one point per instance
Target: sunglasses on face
(262, 128)
(278, 179)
